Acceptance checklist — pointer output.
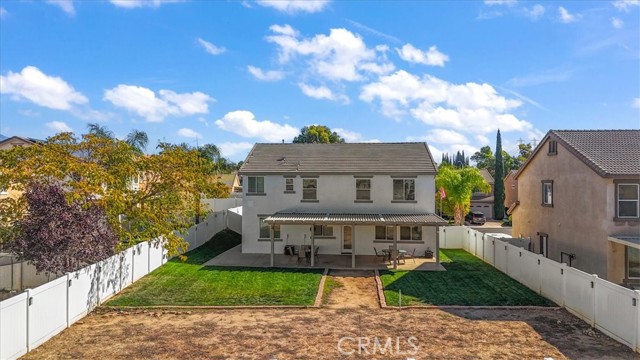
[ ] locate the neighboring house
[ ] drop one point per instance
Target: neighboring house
(232, 181)
(7, 143)
(579, 201)
(481, 201)
(342, 198)
(510, 191)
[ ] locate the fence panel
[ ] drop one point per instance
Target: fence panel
(500, 255)
(473, 237)
(615, 307)
(514, 263)
(579, 294)
(488, 250)
(530, 272)
(480, 245)
(47, 311)
(156, 255)
(83, 292)
(13, 327)
(126, 267)
(452, 237)
(234, 222)
(140, 260)
(552, 280)
(108, 278)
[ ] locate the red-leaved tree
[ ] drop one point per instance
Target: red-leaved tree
(58, 237)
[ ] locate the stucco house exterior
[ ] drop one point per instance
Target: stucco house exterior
(341, 198)
(510, 190)
(578, 200)
(481, 201)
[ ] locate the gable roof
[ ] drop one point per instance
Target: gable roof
(349, 158)
(487, 176)
(23, 139)
(610, 153)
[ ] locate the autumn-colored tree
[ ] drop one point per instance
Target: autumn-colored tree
(317, 134)
(459, 185)
(59, 237)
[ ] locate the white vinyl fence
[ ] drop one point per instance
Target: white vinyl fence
(608, 307)
(34, 316)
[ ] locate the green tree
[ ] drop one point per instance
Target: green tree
(318, 134)
(484, 159)
(498, 188)
(138, 139)
(459, 185)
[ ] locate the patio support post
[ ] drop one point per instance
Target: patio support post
(394, 252)
(313, 245)
(353, 246)
(437, 246)
(272, 245)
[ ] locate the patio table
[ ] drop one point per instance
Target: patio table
(387, 253)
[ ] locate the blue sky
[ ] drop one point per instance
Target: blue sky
(235, 73)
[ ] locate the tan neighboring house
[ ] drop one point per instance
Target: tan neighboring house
(7, 144)
(232, 181)
(481, 201)
(579, 201)
(510, 191)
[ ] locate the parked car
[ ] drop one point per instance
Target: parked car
(476, 217)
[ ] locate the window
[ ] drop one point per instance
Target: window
(322, 230)
(627, 201)
(264, 229)
(309, 189)
(410, 232)
(547, 193)
(384, 232)
(135, 182)
(633, 263)
(256, 185)
(553, 147)
(404, 189)
(363, 189)
(288, 185)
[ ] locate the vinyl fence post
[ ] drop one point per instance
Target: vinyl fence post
(27, 327)
(595, 299)
(563, 273)
(637, 322)
(68, 285)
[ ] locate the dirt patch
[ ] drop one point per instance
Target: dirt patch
(316, 333)
(357, 290)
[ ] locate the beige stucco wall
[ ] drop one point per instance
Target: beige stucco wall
(581, 217)
(510, 191)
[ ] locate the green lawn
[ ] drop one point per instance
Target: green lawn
(191, 283)
(467, 281)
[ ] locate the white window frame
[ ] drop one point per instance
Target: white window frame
(256, 185)
(325, 231)
(415, 233)
(547, 196)
(388, 231)
(636, 200)
(289, 185)
(276, 229)
(309, 193)
(406, 190)
(363, 190)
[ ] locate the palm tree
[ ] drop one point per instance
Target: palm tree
(459, 185)
(137, 139)
(210, 151)
(100, 131)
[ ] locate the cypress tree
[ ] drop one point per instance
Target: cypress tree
(498, 187)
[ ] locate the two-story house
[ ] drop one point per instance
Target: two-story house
(578, 200)
(483, 201)
(341, 198)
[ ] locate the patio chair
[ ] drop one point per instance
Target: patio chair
(301, 255)
(412, 255)
(381, 255)
(401, 257)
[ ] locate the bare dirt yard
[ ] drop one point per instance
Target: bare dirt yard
(337, 331)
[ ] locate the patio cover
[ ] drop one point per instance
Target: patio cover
(354, 218)
(628, 240)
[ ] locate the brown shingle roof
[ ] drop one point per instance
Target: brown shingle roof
(354, 158)
(354, 218)
(609, 153)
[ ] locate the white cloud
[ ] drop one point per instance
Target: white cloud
(339, 56)
(636, 103)
(617, 23)
(210, 48)
(353, 137)
(500, 2)
(145, 103)
(233, 149)
(44, 90)
(535, 12)
(189, 133)
(65, 5)
(58, 126)
(429, 57)
(295, 6)
(544, 77)
(244, 123)
(322, 92)
(443, 136)
(466, 107)
(270, 75)
(565, 16)
(131, 4)
(625, 5)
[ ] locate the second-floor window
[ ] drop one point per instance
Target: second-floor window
(404, 189)
(547, 193)
(363, 189)
(628, 200)
(256, 185)
(288, 185)
(309, 189)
